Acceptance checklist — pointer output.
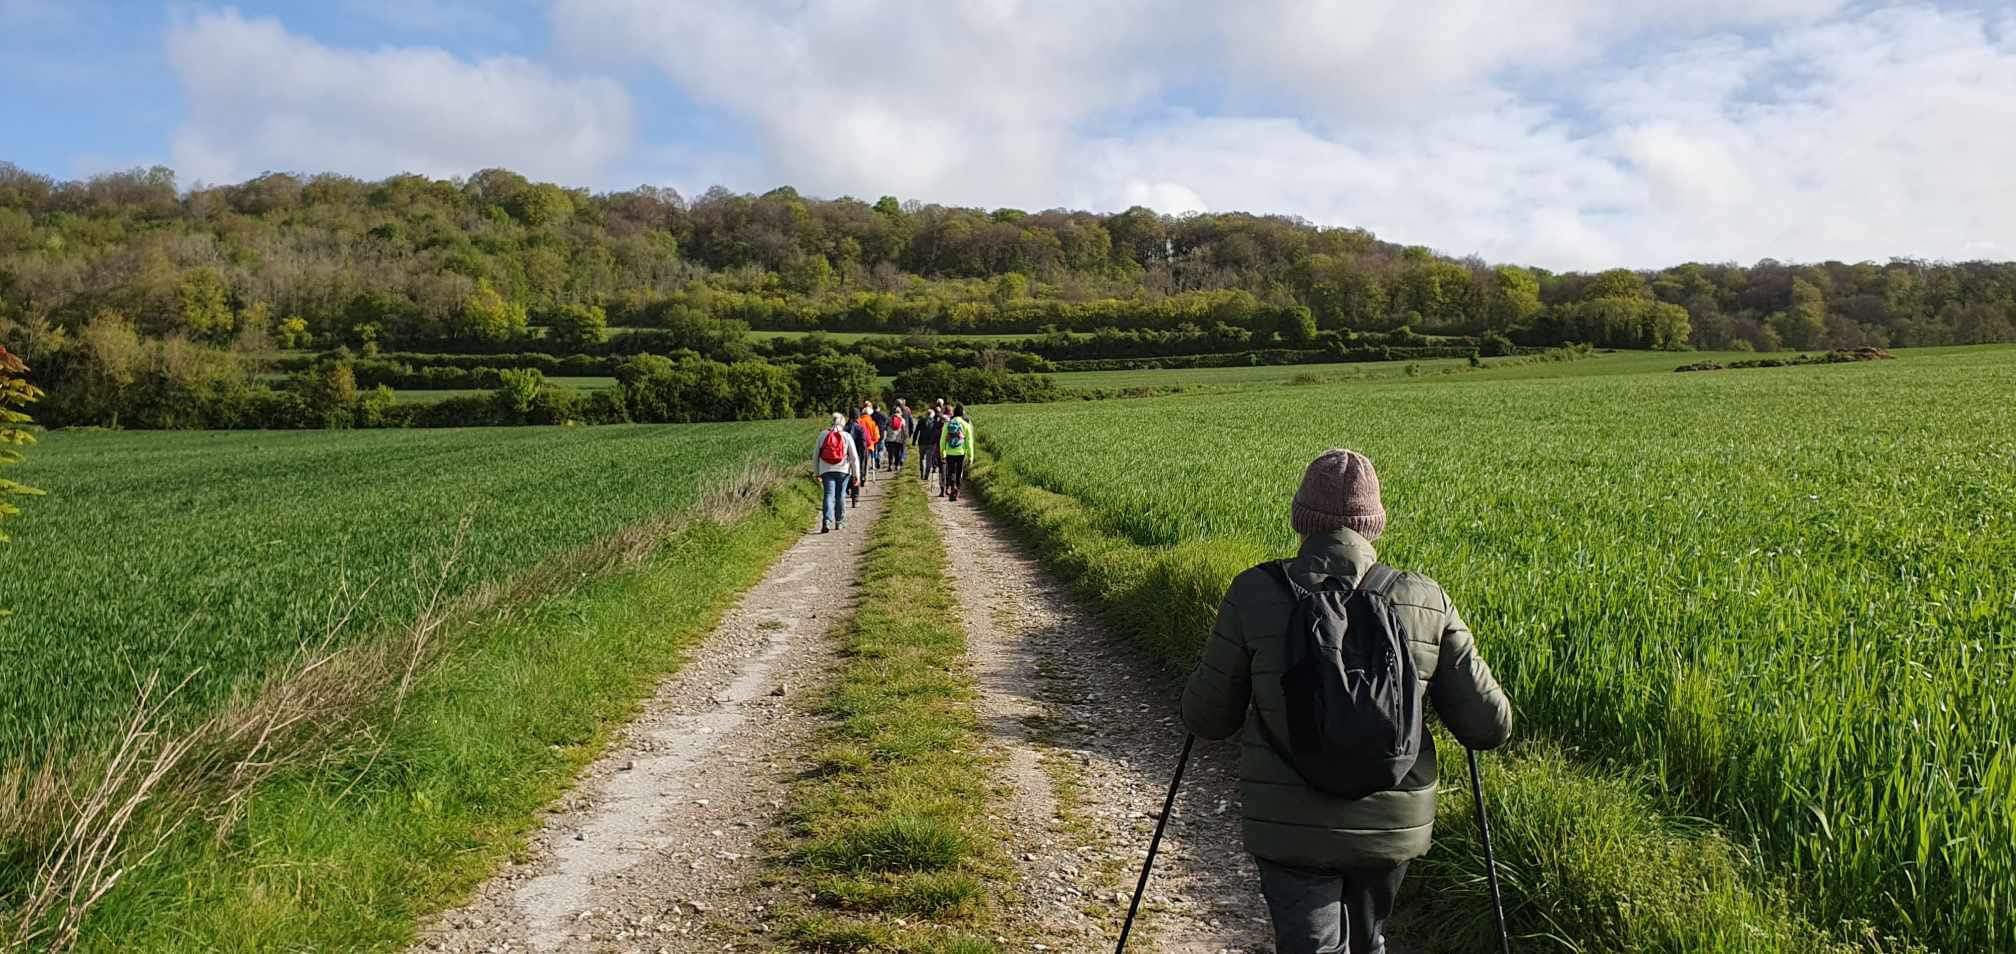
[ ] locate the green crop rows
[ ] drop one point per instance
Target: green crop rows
(219, 553)
(1788, 596)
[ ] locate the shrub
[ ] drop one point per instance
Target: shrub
(489, 316)
(605, 407)
(639, 378)
(976, 385)
(517, 389)
(471, 410)
(832, 382)
(553, 405)
(575, 327)
(378, 408)
(656, 388)
(758, 390)
(328, 394)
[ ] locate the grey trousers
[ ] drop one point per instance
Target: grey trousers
(1314, 911)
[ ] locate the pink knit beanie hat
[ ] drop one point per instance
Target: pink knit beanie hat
(1339, 490)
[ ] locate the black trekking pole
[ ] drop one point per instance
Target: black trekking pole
(1490, 860)
(1168, 803)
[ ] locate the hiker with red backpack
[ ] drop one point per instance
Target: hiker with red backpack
(955, 445)
(837, 465)
(1337, 657)
(896, 438)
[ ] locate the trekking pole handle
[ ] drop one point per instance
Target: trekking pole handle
(1168, 802)
(1490, 859)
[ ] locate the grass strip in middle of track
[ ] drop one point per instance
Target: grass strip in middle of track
(891, 829)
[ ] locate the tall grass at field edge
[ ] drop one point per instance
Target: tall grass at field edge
(891, 829)
(349, 853)
(1588, 861)
(221, 552)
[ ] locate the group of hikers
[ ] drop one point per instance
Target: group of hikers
(875, 439)
(1325, 664)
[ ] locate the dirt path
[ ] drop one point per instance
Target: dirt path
(656, 849)
(1089, 735)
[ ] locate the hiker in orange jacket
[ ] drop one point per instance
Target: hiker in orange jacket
(874, 435)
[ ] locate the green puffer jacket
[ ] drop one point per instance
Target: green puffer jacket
(1286, 820)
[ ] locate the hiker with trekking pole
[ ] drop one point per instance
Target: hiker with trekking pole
(1337, 657)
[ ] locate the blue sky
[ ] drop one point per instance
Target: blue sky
(1566, 133)
(90, 87)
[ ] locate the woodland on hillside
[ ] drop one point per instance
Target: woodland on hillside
(108, 280)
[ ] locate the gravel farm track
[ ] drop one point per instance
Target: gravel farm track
(661, 846)
(1090, 734)
(655, 847)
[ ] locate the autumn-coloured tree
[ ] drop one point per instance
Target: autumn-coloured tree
(15, 392)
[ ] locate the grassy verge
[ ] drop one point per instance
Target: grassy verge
(1589, 863)
(891, 830)
(348, 854)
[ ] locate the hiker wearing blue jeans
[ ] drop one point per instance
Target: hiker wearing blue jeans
(837, 464)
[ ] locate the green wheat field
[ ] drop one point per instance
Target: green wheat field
(1786, 596)
(221, 553)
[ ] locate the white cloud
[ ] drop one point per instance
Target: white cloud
(1877, 136)
(1170, 197)
(1386, 59)
(1569, 134)
(918, 96)
(262, 98)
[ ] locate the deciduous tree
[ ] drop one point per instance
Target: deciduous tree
(15, 393)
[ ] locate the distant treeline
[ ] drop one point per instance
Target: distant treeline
(498, 264)
(408, 259)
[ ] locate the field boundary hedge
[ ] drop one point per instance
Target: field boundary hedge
(1269, 356)
(1587, 859)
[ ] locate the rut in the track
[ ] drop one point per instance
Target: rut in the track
(658, 846)
(1089, 735)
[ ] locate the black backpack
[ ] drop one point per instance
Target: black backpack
(1353, 700)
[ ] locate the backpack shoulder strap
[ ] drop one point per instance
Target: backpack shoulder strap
(1379, 580)
(1278, 569)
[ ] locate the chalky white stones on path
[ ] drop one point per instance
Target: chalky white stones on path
(1088, 731)
(658, 845)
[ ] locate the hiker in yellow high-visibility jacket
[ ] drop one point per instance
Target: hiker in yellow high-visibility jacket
(955, 444)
